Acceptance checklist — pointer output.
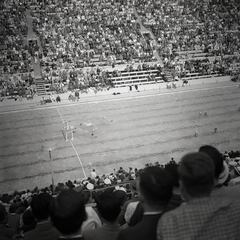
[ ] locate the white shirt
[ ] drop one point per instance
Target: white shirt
(93, 174)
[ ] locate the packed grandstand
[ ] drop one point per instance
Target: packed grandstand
(70, 45)
(60, 46)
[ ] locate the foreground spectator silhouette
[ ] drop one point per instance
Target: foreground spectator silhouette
(109, 208)
(13, 217)
(6, 232)
(29, 222)
(68, 213)
(203, 216)
(221, 175)
(155, 190)
(175, 200)
(40, 208)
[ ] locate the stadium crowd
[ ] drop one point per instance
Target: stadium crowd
(73, 32)
(201, 67)
(189, 25)
(76, 35)
(95, 77)
(16, 72)
(202, 37)
(134, 203)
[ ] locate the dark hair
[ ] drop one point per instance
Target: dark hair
(29, 221)
(28, 217)
(172, 168)
(40, 205)
(196, 173)
(12, 208)
(67, 211)
(216, 156)
(108, 206)
(3, 213)
(121, 196)
(156, 185)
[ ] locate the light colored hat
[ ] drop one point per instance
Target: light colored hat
(90, 186)
(107, 181)
(224, 174)
(120, 188)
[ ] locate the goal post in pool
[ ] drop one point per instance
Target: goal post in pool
(67, 130)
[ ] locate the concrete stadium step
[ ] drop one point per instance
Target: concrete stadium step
(40, 86)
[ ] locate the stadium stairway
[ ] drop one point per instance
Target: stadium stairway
(143, 31)
(36, 64)
(40, 85)
(168, 73)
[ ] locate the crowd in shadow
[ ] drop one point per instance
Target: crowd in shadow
(125, 203)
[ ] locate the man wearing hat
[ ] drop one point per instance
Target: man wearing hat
(176, 199)
(202, 216)
(40, 208)
(155, 187)
(221, 174)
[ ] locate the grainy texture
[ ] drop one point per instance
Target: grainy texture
(130, 132)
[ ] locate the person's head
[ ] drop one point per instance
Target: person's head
(221, 172)
(121, 196)
(155, 187)
(67, 212)
(28, 217)
(172, 168)
(3, 215)
(196, 174)
(40, 206)
(108, 206)
(13, 208)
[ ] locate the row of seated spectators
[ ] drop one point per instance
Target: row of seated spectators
(17, 85)
(16, 72)
(25, 215)
(70, 79)
(205, 66)
(210, 27)
(233, 66)
(94, 77)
